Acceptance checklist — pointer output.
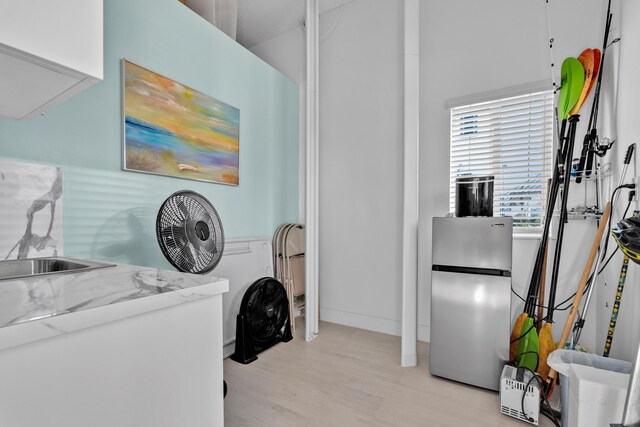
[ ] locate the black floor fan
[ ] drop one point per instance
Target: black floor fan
(263, 320)
(190, 234)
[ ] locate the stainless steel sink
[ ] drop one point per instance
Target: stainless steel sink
(31, 267)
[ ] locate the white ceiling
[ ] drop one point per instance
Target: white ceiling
(261, 20)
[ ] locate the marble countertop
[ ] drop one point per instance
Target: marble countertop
(40, 307)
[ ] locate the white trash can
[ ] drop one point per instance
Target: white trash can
(595, 381)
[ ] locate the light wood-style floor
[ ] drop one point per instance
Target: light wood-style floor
(351, 377)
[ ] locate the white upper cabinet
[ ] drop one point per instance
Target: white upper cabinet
(49, 51)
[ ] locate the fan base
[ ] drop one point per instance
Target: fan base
(247, 349)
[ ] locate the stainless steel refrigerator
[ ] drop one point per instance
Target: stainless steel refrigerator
(471, 299)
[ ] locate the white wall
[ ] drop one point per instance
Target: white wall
(469, 47)
(360, 156)
(361, 86)
(466, 47)
(625, 130)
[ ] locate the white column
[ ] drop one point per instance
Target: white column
(410, 185)
(312, 138)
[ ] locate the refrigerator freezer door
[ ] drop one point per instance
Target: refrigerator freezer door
(470, 317)
(479, 242)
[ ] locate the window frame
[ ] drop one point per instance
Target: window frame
(546, 150)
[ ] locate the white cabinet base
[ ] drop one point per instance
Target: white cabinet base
(160, 369)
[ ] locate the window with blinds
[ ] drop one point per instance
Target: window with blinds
(511, 139)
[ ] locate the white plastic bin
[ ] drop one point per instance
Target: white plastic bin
(596, 396)
(561, 361)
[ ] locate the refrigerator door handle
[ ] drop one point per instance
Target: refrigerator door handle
(471, 270)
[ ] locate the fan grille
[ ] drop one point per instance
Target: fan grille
(266, 310)
(190, 233)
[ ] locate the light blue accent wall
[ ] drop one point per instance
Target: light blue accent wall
(110, 213)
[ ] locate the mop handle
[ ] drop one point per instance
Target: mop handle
(616, 307)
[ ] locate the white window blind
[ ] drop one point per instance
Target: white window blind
(511, 139)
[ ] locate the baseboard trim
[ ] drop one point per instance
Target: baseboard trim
(228, 349)
(371, 323)
(361, 321)
(424, 333)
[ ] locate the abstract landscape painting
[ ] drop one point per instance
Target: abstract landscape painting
(171, 129)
